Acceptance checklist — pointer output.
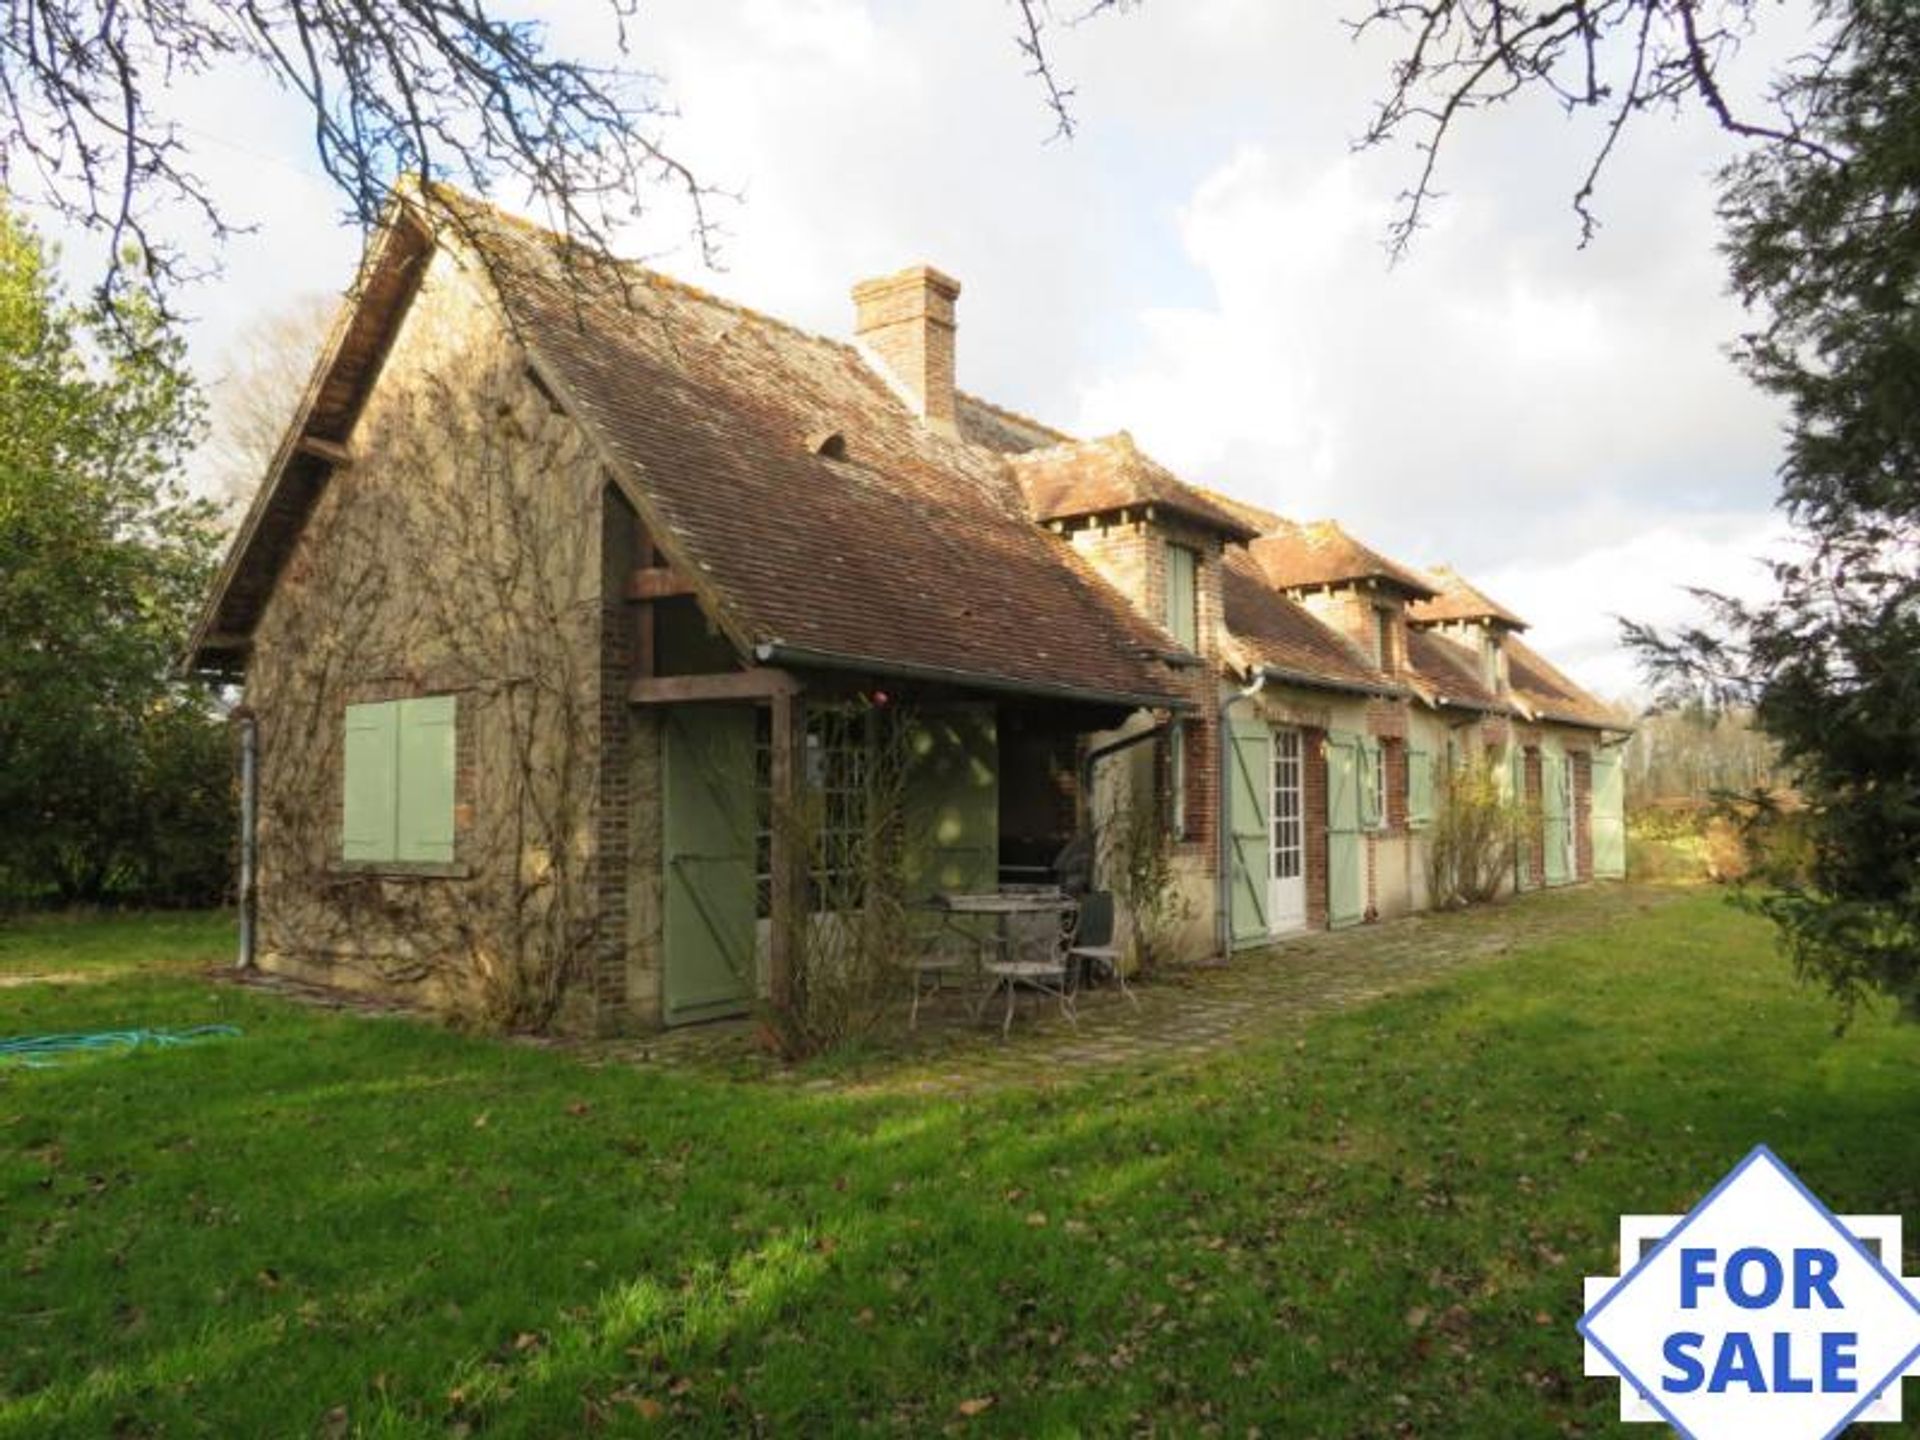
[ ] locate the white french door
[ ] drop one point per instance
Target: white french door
(1287, 889)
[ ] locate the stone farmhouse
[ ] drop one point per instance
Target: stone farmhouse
(565, 569)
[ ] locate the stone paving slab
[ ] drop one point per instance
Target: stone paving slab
(1185, 1015)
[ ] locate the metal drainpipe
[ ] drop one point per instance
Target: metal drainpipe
(249, 839)
(1223, 886)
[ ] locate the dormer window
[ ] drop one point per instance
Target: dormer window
(1490, 658)
(1383, 638)
(1183, 596)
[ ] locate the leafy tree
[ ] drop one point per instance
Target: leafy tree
(113, 775)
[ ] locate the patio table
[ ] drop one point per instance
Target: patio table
(1004, 905)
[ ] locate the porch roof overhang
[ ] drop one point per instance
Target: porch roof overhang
(776, 653)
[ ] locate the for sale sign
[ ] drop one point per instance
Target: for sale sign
(1761, 1315)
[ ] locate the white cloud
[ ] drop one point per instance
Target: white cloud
(1574, 604)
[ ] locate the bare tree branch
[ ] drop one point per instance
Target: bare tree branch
(1620, 57)
(1031, 38)
(437, 88)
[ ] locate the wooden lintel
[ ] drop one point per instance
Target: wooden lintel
(759, 683)
(656, 582)
(326, 450)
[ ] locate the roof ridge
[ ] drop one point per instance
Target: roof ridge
(1007, 412)
(657, 279)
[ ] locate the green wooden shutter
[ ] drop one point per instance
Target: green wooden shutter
(1419, 787)
(424, 822)
(1182, 622)
(1346, 860)
(1556, 820)
(1250, 834)
(371, 760)
(1372, 802)
(1607, 815)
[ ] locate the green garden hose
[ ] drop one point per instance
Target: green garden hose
(41, 1051)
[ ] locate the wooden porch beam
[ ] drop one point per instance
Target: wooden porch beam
(759, 683)
(657, 582)
(788, 884)
(327, 450)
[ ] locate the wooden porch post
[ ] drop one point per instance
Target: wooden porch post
(788, 892)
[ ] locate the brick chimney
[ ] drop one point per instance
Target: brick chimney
(906, 322)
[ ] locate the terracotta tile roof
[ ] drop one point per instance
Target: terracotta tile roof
(1008, 431)
(1543, 691)
(915, 549)
(1442, 671)
(1256, 518)
(1321, 553)
(1270, 631)
(1097, 477)
(1459, 600)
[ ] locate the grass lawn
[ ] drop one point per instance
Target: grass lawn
(338, 1225)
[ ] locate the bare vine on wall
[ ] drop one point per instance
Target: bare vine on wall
(458, 555)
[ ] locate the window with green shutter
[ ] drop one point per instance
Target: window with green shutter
(398, 774)
(1373, 784)
(1419, 787)
(1183, 596)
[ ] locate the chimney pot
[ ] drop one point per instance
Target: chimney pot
(906, 322)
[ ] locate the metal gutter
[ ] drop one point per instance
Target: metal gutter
(1281, 675)
(774, 652)
(249, 834)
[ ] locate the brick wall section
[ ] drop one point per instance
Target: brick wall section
(1349, 610)
(1394, 753)
(1582, 762)
(612, 821)
(1313, 803)
(1132, 558)
(1536, 820)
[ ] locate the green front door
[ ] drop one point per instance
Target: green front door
(1608, 812)
(709, 824)
(1346, 857)
(1556, 814)
(1249, 794)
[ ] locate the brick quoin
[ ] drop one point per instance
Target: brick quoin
(612, 816)
(1313, 803)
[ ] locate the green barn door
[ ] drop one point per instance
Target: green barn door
(708, 831)
(1555, 771)
(1608, 809)
(1346, 859)
(1250, 793)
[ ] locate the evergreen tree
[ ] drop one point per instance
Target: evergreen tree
(1823, 240)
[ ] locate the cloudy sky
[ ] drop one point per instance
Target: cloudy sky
(1201, 265)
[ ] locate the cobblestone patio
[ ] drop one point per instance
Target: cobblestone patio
(1186, 1014)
